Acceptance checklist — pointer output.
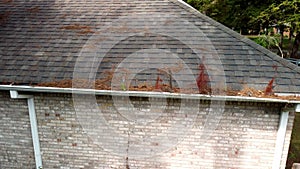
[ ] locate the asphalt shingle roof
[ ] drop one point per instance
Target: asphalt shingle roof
(43, 41)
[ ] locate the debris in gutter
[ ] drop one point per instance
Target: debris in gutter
(100, 85)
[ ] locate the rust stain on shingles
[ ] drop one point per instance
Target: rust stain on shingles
(80, 29)
(34, 9)
(4, 17)
(7, 1)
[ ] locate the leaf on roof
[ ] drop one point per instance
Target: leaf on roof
(203, 79)
(269, 88)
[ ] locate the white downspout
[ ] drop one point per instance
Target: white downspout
(297, 108)
(281, 136)
(33, 124)
(280, 139)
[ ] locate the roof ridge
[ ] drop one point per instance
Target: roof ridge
(236, 35)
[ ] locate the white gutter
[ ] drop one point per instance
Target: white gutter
(33, 123)
(144, 94)
(287, 94)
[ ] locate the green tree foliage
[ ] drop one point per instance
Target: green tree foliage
(283, 14)
(269, 42)
(252, 16)
(235, 14)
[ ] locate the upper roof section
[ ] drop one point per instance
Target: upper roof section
(130, 42)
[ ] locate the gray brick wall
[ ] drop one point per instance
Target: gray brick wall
(71, 135)
(16, 149)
